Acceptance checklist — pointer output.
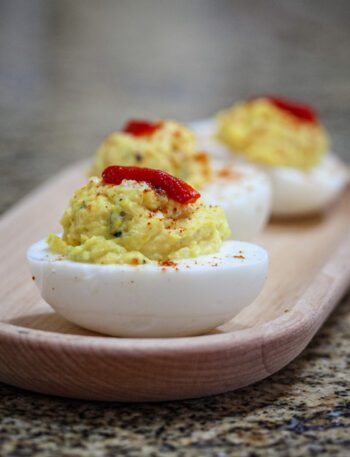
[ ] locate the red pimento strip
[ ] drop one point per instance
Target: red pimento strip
(175, 188)
(302, 112)
(141, 128)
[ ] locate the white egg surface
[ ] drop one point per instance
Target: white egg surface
(245, 194)
(188, 297)
(299, 193)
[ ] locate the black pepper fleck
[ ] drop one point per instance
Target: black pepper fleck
(138, 157)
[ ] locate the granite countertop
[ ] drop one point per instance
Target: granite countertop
(74, 71)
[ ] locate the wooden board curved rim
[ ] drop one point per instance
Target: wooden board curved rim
(104, 368)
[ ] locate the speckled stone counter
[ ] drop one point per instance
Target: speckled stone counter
(302, 411)
(71, 72)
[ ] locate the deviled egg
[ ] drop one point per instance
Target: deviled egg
(141, 255)
(287, 141)
(243, 191)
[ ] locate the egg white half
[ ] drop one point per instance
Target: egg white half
(152, 300)
(295, 192)
(245, 194)
(302, 193)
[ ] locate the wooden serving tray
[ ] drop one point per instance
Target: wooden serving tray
(310, 271)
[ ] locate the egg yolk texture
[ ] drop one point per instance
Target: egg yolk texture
(131, 223)
(171, 147)
(267, 134)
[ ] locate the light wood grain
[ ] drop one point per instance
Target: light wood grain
(310, 271)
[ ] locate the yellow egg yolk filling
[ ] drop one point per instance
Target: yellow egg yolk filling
(266, 134)
(172, 148)
(133, 224)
